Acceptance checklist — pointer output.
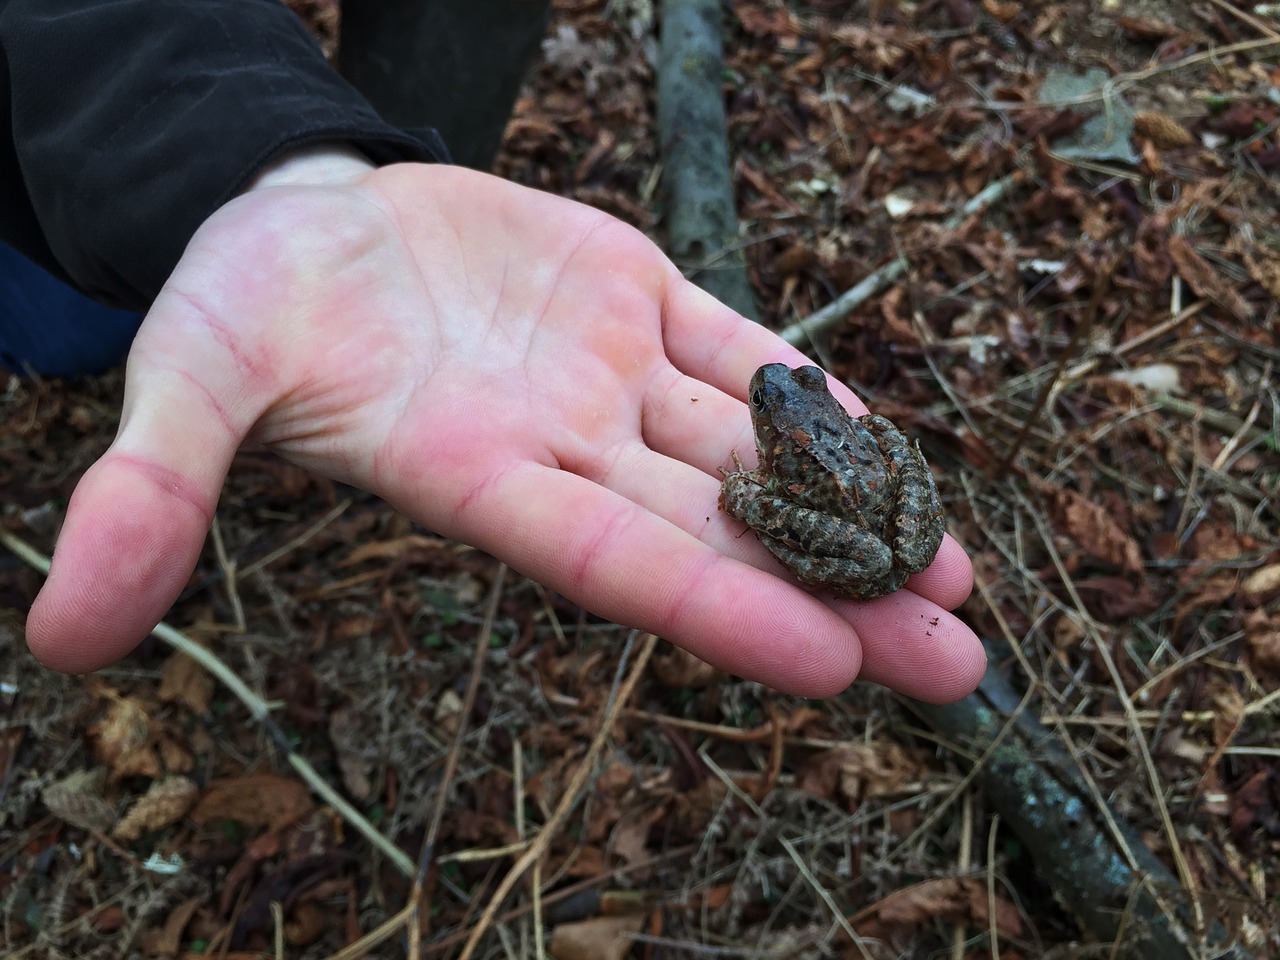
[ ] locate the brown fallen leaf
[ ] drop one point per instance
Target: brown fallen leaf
(77, 800)
(941, 900)
(1092, 527)
(166, 941)
(350, 743)
(1262, 584)
(108, 920)
(166, 801)
(306, 923)
(858, 772)
(599, 938)
(1162, 130)
(678, 668)
(259, 800)
(1265, 270)
(391, 549)
(1252, 803)
(1115, 598)
(124, 740)
(183, 680)
(1262, 634)
(1204, 279)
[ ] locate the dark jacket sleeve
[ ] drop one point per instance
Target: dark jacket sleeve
(126, 123)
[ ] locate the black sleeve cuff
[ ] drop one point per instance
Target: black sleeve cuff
(132, 121)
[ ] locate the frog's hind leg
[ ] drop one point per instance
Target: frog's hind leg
(914, 527)
(839, 557)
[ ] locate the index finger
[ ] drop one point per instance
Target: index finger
(713, 343)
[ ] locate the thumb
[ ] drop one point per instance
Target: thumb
(137, 519)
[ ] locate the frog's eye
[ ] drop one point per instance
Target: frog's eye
(757, 398)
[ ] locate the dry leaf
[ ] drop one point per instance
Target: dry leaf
(1005, 12)
(167, 940)
(165, 802)
(123, 740)
(600, 938)
(306, 923)
(943, 900)
(797, 257)
(1092, 527)
(349, 743)
(448, 711)
(108, 920)
(183, 680)
(391, 549)
(260, 800)
(1203, 279)
(175, 757)
(1262, 633)
(1228, 715)
(858, 772)
(1162, 130)
(77, 799)
(675, 667)
(1261, 584)
(1265, 270)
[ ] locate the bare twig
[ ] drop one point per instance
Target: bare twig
(803, 331)
(568, 799)
(297, 541)
(1077, 336)
(478, 659)
(258, 708)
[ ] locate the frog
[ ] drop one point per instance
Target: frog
(847, 504)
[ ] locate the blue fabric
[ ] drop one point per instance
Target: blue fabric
(48, 328)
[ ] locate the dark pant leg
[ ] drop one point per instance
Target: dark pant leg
(48, 328)
(455, 65)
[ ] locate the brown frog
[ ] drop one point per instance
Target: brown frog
(848, 505)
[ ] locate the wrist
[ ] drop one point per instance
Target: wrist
(315, 164)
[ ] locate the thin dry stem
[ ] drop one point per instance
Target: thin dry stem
(567, 800)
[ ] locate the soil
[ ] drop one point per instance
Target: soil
(1089, 362)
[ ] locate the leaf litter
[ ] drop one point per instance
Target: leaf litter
(1114, 313)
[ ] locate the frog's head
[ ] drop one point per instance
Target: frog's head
(784, 400)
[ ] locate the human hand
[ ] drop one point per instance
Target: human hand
(511, 369)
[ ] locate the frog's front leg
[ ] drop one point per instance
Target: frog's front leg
(913, 521)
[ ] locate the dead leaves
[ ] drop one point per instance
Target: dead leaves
(857, 773)
(965, 901)
(1092, 526)
(597, 938)
(262, 800)
(1162, 130)
(165, 803)
(132, 741)
(77, 799)
(184, 681)
(1203, 279)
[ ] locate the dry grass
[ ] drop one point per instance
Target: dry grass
(1124, 536)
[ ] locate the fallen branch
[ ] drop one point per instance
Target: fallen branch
(803, 331)
(701, 221)
(1096, 865)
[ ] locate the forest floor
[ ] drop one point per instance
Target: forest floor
(1089, 362)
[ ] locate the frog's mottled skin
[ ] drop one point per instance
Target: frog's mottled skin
(848, 505)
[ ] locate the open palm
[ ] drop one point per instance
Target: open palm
(514, 370)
